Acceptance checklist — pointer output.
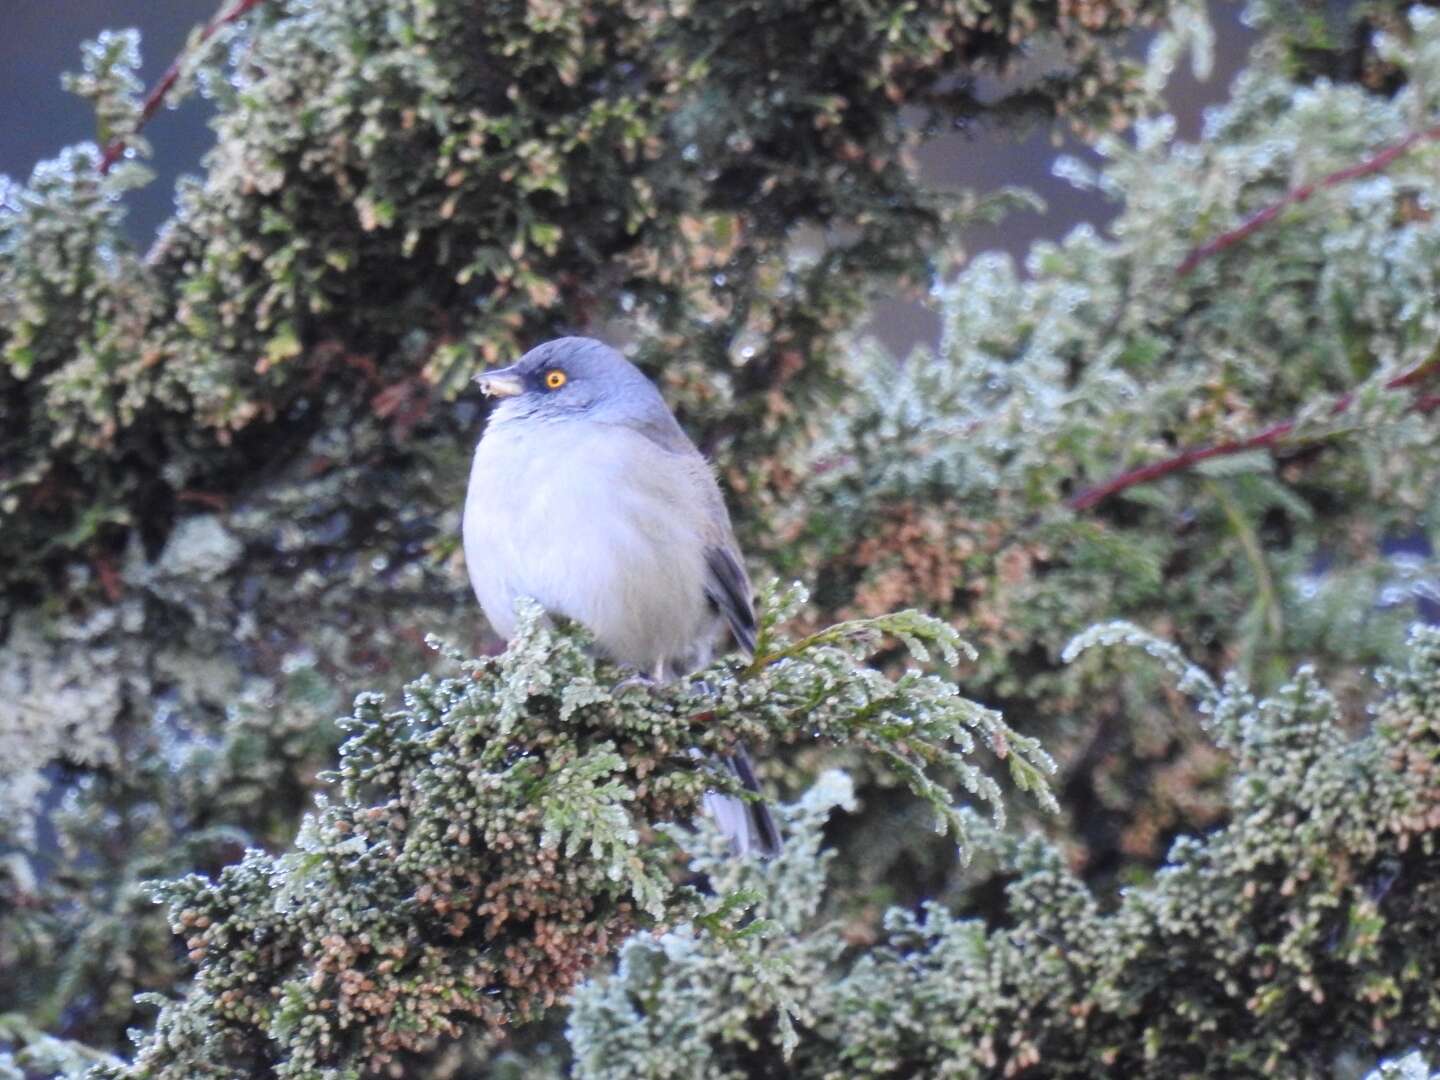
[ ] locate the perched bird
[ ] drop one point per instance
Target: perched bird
(586, 496)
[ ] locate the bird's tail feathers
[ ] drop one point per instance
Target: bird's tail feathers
(746, 823)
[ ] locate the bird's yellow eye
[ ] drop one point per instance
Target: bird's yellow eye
(555, 379)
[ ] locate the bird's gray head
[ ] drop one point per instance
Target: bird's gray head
(575, 378)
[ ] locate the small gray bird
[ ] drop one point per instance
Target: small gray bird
(586, 496)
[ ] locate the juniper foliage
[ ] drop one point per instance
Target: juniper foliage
(229, 478)
(1260, 950)
(491, 839)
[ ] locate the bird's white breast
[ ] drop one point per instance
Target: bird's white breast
(597, 523)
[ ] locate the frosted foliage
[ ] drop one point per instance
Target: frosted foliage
(963, 474)
(478, 853)
(616, 1028)
(1324, 825)
(1412, 1066)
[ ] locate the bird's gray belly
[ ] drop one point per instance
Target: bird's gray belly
(593, 537)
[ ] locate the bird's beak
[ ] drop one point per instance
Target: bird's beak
(502, 382)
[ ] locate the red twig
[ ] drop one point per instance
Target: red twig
(204, 498)
(404, 404)
(1371, 165)
(156, 97)
(109, 577)
(1269, 437)
(1427, 403)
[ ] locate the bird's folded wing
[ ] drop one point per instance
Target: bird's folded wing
(728, 589)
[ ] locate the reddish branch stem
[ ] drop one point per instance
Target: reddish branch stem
(1269, 437)
(204, 498)
(1365, 168)
(156, 97)
(1273, 434)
